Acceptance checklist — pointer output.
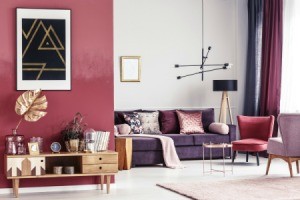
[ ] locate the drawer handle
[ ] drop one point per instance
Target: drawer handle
(42, 160)
(100, 158)
(100, 167)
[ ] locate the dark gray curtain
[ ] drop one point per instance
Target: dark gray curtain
(253, 71)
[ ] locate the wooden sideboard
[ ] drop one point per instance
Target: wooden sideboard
(41, 166)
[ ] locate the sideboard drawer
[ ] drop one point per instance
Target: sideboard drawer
(102, 168)
(99, 159)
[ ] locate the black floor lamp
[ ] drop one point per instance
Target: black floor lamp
(225, 86)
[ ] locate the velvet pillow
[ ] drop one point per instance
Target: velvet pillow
(134, 122)
(168, 121)
(220, 128)
(190, 122)
(149, 121)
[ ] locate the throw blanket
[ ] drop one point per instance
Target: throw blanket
(169, 152)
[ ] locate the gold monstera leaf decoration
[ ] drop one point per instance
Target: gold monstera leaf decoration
(31, 106)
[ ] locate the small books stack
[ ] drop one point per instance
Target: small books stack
(101, 140)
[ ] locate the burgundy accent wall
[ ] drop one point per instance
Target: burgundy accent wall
(92, 78)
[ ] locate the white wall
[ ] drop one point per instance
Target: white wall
(168, 32)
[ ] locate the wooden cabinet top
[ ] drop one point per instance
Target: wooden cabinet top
(63, 154)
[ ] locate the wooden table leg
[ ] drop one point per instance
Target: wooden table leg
(16, 187)
(297, 165)
(13, 187)
(101, 181)
(108, 183)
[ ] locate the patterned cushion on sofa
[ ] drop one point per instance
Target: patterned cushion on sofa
(190, 122)
(119, 116)
(149, 121)
(134, 122)
(208, 116)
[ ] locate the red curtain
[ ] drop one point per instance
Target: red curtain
(271, 58)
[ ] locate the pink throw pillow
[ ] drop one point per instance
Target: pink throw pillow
(190, 122)
(123, 129)
(116, 132)
(220, 128)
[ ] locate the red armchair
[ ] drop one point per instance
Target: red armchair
(254, 134)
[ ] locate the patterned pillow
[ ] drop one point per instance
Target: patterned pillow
(190, 122)
(135, 124)
(149, 122)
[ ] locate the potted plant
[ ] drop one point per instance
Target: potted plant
(73, 132)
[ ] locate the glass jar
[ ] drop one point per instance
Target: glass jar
(89, 137)
(14, 143)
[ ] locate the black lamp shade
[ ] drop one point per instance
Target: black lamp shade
(225, 85)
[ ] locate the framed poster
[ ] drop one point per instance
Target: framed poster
(130, 69)
(43, 49)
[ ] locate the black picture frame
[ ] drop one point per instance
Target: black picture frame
(43, 49)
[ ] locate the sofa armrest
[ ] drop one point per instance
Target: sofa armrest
(232, 132)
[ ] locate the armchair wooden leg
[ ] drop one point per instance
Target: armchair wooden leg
(269, 163)
(247, 156)
(257, 158)
(290, 167)
(297, 165)
(233, 156)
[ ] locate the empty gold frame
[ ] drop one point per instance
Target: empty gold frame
(130, 69)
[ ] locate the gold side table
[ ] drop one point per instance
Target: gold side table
(211, 146)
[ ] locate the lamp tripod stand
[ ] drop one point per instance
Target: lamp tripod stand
(224, 86)
(225, 103)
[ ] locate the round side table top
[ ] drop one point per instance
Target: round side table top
(218, 145)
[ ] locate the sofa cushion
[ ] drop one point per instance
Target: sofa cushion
(146, 144)
(123, 129)
(134, 122)
(154, 144)
(219, 128)
(190, 122)
(199, 139)
(149, 121)
(168, 121)
(182, 140)
(208, 117)
(119, 116)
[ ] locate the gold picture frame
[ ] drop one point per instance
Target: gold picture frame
(130, 69)
(33, 148)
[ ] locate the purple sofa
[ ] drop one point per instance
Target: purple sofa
(148, 151)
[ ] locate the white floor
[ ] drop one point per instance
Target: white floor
(140, 183)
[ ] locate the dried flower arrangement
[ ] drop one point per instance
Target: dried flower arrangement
(75, 128)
